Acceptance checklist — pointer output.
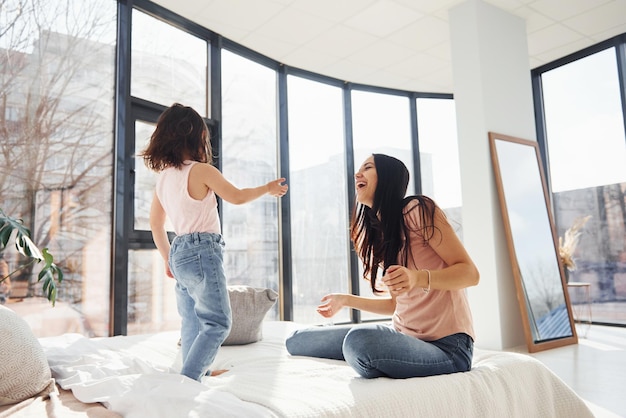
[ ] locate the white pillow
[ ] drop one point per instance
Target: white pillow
(24, 370)
(249, 306)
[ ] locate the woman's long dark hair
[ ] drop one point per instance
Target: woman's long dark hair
(379, 233)
(180, 133)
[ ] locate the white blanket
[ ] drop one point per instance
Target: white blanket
(137, 376)
(133, 377)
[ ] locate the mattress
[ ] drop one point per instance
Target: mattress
(138, 376)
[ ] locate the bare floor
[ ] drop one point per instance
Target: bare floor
(609, 312)
(595, 368)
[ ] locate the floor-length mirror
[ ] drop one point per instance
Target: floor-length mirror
(531, 237)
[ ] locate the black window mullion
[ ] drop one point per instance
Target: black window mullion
(620, 50)
(285, 255)
(353, 260)
(215, 106)
(121, 204)
(540, 122)
(417, 164)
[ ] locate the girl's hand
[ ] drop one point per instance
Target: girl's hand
(331, 304)
(276, 188)
(400, 279)
(168, 272)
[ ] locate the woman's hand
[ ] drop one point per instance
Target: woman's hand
(399, 279)
(330, 305)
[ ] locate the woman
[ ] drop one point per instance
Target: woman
(425, 270)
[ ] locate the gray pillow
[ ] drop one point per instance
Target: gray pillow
(249, 306)
(24, 370)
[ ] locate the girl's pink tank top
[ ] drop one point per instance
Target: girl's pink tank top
(186, 213)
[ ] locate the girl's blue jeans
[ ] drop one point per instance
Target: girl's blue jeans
(196, 261)
(377, 350)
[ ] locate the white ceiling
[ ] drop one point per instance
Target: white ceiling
(402, 44)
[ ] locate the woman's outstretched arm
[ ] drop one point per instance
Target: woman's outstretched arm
(334, 302)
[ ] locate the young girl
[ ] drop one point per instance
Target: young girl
(425, 269)
(187, 185)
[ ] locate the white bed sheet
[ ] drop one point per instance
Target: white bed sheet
(134, 377)
(138, 376)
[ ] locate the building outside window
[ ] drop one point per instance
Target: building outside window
(57, 76)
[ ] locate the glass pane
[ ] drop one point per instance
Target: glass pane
(317, 184)
(439, 156)
(585, 123)
(168, 65)
(57, 87)
(145, 179)
(381, 124)
(151, 295)
(249, 159)
(587, 155)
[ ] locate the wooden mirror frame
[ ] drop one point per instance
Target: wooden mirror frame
(554, 316)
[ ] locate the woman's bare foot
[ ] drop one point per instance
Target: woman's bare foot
(218, 372)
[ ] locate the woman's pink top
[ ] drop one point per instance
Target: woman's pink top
(438, 313)
(186, 213)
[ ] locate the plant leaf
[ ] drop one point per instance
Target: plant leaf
(23, 242)
(47, 274)
(26, 247)
(5, 233)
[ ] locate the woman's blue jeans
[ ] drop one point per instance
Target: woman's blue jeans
(196, 261)
(377, 350)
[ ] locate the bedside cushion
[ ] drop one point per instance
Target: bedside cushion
(249, 306)
(24, 370)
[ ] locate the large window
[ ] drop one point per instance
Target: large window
(587, 159)
(249, 159)
(56, 83)
(317, 185)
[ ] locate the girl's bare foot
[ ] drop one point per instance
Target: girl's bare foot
(218, 372)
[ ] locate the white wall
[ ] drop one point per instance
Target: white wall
(492, 92)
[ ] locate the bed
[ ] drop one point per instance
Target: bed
(137, 376)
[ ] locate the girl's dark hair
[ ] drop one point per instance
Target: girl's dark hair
(379, 233)
(180, 134)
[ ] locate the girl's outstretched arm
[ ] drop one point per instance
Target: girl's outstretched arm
(209, 177)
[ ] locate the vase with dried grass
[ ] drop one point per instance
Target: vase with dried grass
(568, 244)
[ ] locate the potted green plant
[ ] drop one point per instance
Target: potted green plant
(50, 274)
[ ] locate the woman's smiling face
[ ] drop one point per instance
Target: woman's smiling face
(365, 181)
